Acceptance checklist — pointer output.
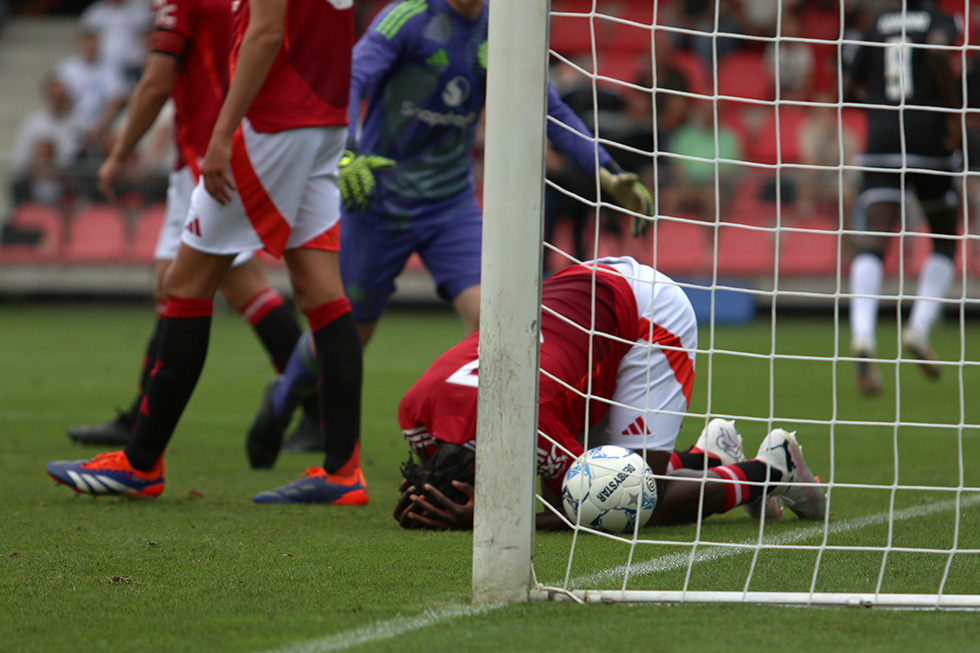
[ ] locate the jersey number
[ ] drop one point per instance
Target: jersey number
(898, 70)
(466, 375)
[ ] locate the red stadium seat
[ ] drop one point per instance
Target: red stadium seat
(41, 218)
(96, 234)
(572, 35)
(765, 147)
(905, 256)
(680, 247)
(745, 75)
(146, 230)
(809, 253)
(623, 37)
(694, 71)
(744, 252)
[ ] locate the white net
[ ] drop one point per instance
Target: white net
(735, 115)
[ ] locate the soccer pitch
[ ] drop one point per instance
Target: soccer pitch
(204, 569)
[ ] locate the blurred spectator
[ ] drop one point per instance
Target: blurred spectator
(795, 64)
(54, 122)
(821, 144)
(96, 91)
(121, 27)
(692, 187)
(44, 181)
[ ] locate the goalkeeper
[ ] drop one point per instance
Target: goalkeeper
(407, 181)
(639, 367)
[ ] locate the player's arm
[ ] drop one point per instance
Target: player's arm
(154, 88)
(374, 56)
(261, 43)
(577, 144)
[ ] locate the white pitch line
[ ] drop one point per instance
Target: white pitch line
(682, 559)
(389, 629)
(384, 630)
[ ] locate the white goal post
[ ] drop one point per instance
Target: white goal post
(515, 181)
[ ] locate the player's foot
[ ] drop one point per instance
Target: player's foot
(868, 376)
(306, 437)
(265, 434)
(722, 440)
(798, 488)
(108, 473)
(317, 486)
(920, 349)
(117, 432)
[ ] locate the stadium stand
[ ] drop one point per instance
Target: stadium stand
(97, 234)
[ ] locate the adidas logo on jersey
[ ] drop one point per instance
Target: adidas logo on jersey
(439, 59)
(194, 226)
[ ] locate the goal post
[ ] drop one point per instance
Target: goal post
(503, 529)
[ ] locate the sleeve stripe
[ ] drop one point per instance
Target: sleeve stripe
(400, 15)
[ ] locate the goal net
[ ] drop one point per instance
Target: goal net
(738, 124)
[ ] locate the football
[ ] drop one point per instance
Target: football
(612, 486)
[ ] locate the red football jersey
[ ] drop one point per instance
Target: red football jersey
(309, 82)
(198, 34)
(441, 406)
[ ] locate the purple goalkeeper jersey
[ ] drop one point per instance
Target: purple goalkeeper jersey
(422, 68)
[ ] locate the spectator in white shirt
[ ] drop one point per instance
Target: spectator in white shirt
(121, 26)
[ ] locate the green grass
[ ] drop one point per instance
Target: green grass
(203, 569)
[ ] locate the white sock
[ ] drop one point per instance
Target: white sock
(866, 273)
(934, 280)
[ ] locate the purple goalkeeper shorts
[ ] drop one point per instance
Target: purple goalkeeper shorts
(374, 249)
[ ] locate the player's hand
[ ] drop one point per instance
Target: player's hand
(109, 173)
(441, 512)
(402, 508)
(216, 170)
(630, 194)
(357, 184)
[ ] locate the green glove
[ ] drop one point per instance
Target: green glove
(630, 194)
(357, 184)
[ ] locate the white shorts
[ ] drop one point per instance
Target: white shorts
(288, 194)
(655, 378)
(179, 189)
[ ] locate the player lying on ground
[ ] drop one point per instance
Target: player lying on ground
(641, 372)
(188, 62)
(269, 180)
(407, 181)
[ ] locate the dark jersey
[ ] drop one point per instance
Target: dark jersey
(895, 68)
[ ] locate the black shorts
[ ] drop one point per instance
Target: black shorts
(934, 191)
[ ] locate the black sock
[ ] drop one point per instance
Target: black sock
(758, 471)
(696, 460)
(338, 355)
(275, 324)
(149, 358)
(182, 350)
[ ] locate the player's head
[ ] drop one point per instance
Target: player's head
(449, 463)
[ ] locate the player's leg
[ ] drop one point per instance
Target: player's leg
(119, 431)
(451, 254)
(246, 287)
(311, 255)
(778, 469)
(881, 200)
(373, 252)
(939, 201)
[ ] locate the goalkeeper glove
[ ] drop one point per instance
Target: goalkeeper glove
(630, 194)
(357, 184)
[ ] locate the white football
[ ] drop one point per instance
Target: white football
(612, 486)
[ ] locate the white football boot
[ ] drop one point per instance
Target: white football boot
(721, 439)
(781, 450)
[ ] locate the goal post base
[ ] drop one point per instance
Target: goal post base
(840, 599)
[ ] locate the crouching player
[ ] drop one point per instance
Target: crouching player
(640, 368)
